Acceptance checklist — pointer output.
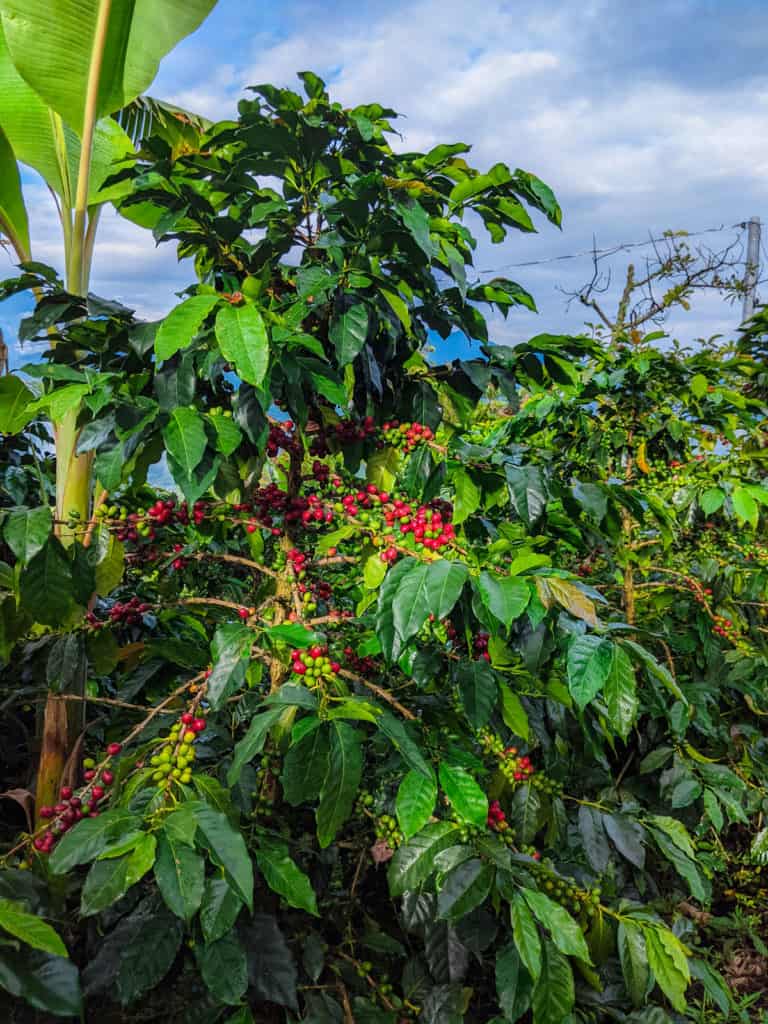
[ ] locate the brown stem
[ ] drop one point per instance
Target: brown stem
(380, 692)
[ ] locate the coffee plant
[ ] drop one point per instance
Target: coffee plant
(418, 690)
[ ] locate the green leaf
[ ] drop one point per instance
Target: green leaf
(428, 588)
(656, 669)
(554, 995)
(676, 831)
(46, 585)
(526, 812)
(513, 712)
(410, 604)
(30, 928)
(398, 307)
(567, 594)
(180, 825)
(41, 141)
(26, 530)
(590, 660)
(463, 889)
(226, 844)
(284, 877)
(292, 633)
(526, 936)
(593, 837)
(180, 876)
(398, 735)
(291, 695)
(374, 571)
(219, 908)
(506, 597)
(13, 213)
(527, 492)
(714, 985)
(415, 802)
(467, 496)
(414, 861)
(111, 561)
(305, 766)
(184, 436)
(745, 506)
(224, 968)
(416, 219)
(348, 333)
(242, 337)
(711, 500)
(15, 397)
(271, 969)
(445, 581)
(565, 931)
(620, 692)
(478, 689)
(148, 955)
(345, 766)
(110, 879)
(634, 960)
(467, 798)
(668, 961)
(90, 837)
(699, 385)
(628, 836)
(230, 651)
(45, 982)
(52, 47)
(385, 611)
(182, 324)
(513, 984)
(228, 434)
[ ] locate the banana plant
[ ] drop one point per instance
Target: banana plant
(65, 69)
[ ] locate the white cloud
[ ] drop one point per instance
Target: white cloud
(628, 148)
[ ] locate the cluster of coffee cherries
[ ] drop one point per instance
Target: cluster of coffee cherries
(282, 436)
(725, 628)
(480, 644)
(298, 562)
(514, 766)
(74, 806)
(406, 435)
(428, 526)
(144, 522)
(314, 664)
(467, 831)
(387, 831)
(348, 431)
(122, 613)
(312, 593)
(176, 755)
(364, 666)
(128, 613)
(546, 785)
(497, 819)
(566, 891)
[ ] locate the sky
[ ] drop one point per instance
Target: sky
(641, 117)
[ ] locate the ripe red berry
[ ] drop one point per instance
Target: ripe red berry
(66, 792)
(98, 792)
(243, 613)
(198, 725)
(90, 774)
(114, 748)
(107, 778)
(187, 718)
(46, 812)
